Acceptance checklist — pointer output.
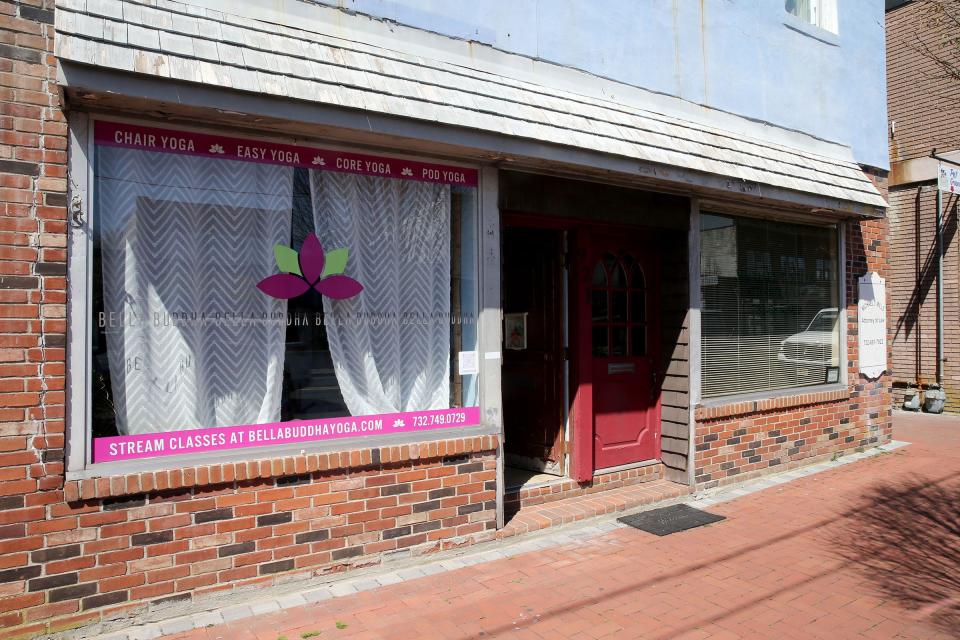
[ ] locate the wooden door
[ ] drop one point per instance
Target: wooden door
(618, 335)
(533, 368)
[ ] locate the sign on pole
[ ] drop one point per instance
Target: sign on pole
(948, 178)
(872, 325)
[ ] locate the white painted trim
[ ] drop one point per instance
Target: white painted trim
(844, 348)
(491, 316)
(79, 285)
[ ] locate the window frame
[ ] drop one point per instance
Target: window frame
(80, 275)
(814, 30)
(842, 319)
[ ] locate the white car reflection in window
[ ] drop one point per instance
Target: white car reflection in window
(816, 345)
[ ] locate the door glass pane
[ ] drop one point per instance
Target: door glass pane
(638, 340)
(618, 341)
(619, 306)
(609, 260)
(599, 276)
(638, 310)
(599, 306)
(600, 341)
(637, 280)
(619, 276)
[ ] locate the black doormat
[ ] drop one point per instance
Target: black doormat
(667, 520)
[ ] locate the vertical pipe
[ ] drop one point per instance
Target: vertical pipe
(939, 285)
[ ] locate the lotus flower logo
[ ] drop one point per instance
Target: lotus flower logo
(311, 268)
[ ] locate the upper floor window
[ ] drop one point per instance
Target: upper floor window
(820, 13)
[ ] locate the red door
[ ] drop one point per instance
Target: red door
(618, 396)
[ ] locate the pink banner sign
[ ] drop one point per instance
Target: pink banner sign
(151, 445)
(131, 136)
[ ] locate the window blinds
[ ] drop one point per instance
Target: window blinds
(769, 305)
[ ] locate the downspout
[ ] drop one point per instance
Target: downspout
(933, 154)
(939, 286)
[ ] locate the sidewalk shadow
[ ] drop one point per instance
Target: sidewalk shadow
(905, 539)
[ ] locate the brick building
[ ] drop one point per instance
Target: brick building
(922, 107)
(290, 290)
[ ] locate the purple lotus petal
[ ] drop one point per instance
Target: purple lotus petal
(284, 286)
(339, 287)
(311, 259)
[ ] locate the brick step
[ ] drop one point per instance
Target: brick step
(607, 500)
(563, 488)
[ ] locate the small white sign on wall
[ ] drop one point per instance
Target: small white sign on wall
(948, 178)
(872, 325)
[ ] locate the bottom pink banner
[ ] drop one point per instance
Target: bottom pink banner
(150, 445)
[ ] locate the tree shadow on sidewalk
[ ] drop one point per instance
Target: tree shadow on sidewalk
(905, 539)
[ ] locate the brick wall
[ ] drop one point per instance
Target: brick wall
(924, 105)
(33, 159)
(913, 283)
(742, 440)
(920, 100)
(203, 529)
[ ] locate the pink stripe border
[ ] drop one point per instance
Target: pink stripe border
(191, 143)
(153, 445)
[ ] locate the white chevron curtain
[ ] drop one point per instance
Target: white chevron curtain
(391, 344)
(182, 237)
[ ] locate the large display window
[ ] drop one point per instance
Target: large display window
(248, 294)
(771, 313)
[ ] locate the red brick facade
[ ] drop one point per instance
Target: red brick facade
(203, 529)
(922, 107)
(738, 441)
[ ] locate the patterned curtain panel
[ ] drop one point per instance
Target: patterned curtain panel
(390, 344)
(184, 242)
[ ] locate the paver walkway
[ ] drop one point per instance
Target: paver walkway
(867, 550)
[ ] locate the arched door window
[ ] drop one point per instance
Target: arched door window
(618, 299)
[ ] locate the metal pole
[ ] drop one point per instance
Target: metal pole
(939, 285)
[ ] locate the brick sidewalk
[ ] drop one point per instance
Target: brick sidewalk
(867, 550)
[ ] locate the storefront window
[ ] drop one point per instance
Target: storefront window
(770, 305)
(248, 294)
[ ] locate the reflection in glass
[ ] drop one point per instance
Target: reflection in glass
(609, 260)
(638, 307)
(618, 341)
(619, 306)
(599, 306)
(638, 340)
(769, 316)
(637, 280)
(600, 341)
(619, 277)
(599, 276)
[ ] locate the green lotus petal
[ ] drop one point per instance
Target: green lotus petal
(287, 259)
(336, 262)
